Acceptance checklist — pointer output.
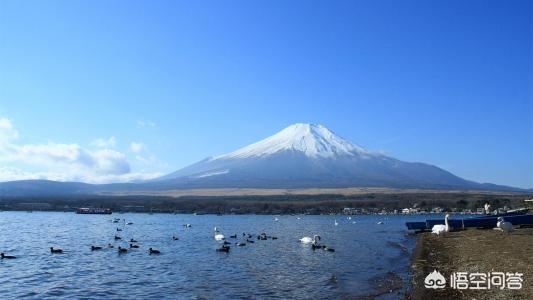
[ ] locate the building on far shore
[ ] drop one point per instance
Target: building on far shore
(33, 206)
(133, 208)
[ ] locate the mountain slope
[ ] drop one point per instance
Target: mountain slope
(309, 155)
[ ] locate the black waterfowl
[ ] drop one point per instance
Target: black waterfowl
(133, 241)
(224, 248)
(122, 250)
(93, 248)
(249, 241)
(240, 244)
(328, 249)
(274, 237)
(233, 236)
(119, 229)
(117, 237)
(6, 256)
(52, 250)
(154, 251)
(175, 238)
(110, 245)
(187, 225)
(227, 243)
(316, 246)
(134, 246)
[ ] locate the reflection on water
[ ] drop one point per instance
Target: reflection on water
(190, 267)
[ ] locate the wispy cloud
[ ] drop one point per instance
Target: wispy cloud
(10, 174)
(136, 147)
(65, 162)
(105, 143)
(145, 124)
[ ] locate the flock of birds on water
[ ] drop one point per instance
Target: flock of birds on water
(217, 235)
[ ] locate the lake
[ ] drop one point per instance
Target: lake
(366, 255)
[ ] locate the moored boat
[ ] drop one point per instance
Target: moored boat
(94, 211)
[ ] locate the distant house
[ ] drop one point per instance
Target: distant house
(405, 211)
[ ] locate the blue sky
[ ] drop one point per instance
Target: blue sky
(443, 82)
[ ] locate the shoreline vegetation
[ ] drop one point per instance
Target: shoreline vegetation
(472, 251)
(371, 202)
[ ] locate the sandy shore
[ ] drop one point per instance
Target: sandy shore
(473, 251)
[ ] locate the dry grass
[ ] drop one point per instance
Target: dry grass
(474, 251)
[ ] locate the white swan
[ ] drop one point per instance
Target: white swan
(218, 236)
(438, 229)
(504, 226)
(309, 240)
(336, 223)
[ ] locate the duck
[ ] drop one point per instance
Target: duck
(129, 223)
(240, 244)
(326, 248)
(233, 236)
(52, 250)
(227, 243)
(133, 241)
(439, 228)
(316, 246)
(117, 237)
(187, 225)
(274, 237)
(154, 251)
(224, 248)
(119, 229)
(249, 241)
(504, 226)
(134, 246)
(6, 256)
(122, 250)
(380, 223)
(175, 238)
(109, 245)
(93, 248)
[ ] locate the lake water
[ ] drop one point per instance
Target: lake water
(191, 267)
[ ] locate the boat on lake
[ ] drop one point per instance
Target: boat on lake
(516, 217)
(94, 211)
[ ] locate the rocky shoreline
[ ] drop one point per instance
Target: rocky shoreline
(473, 251)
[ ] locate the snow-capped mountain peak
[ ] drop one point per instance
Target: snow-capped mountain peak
(311, 139)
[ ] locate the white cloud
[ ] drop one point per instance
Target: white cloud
(145, 124)
(104, 143)
(136, 147)
(64, 162)
(10, 174)
(7, 132)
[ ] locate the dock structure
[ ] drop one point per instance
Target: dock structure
(518, 218)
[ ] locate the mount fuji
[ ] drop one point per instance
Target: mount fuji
(310, 155)
(299, 156)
